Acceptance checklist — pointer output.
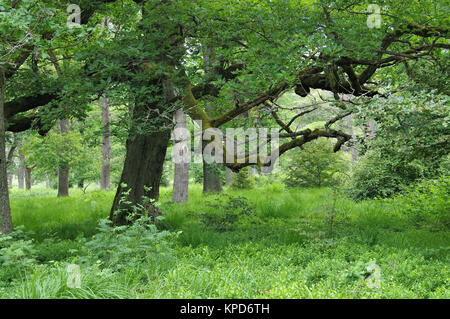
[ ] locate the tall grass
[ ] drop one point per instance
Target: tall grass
(282, 249)
(41, 212)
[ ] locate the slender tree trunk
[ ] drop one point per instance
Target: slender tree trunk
(10, 157)
(106, 145)
(21, 171)
(141, 175)
(63, 171)
(5, 210)
(181, 174)
(28, 178)
(9, 161)
(47, 181)
(353, 150)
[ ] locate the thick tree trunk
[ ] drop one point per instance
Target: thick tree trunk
(28, 178)
(181, 173)
(63, 181)
(211, 179)
(5, 210)
(106, 145)
(149, 134)
(141, 175)
(63, 171)
(212, 182)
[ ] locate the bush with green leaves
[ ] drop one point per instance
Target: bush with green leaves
(314, 166)
(17, 253)
(118, 247)
(226, 212)
(428, 203)
(376, 175)
(242, 180)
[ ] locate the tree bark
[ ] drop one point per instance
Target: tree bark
(141, 175)
(9, 162)
(5, 209)
(21, 170)
(106, 146)
(28, 178)
(211, 179)
(212, 183)
(63, 170)
(181, 173)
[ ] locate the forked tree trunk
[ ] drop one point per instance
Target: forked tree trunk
(106, 146)
(63, 171)
(5, 210)
(181, 173)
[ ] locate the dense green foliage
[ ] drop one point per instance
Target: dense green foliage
(411, 143)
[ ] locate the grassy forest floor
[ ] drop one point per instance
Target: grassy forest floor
(268, 242)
